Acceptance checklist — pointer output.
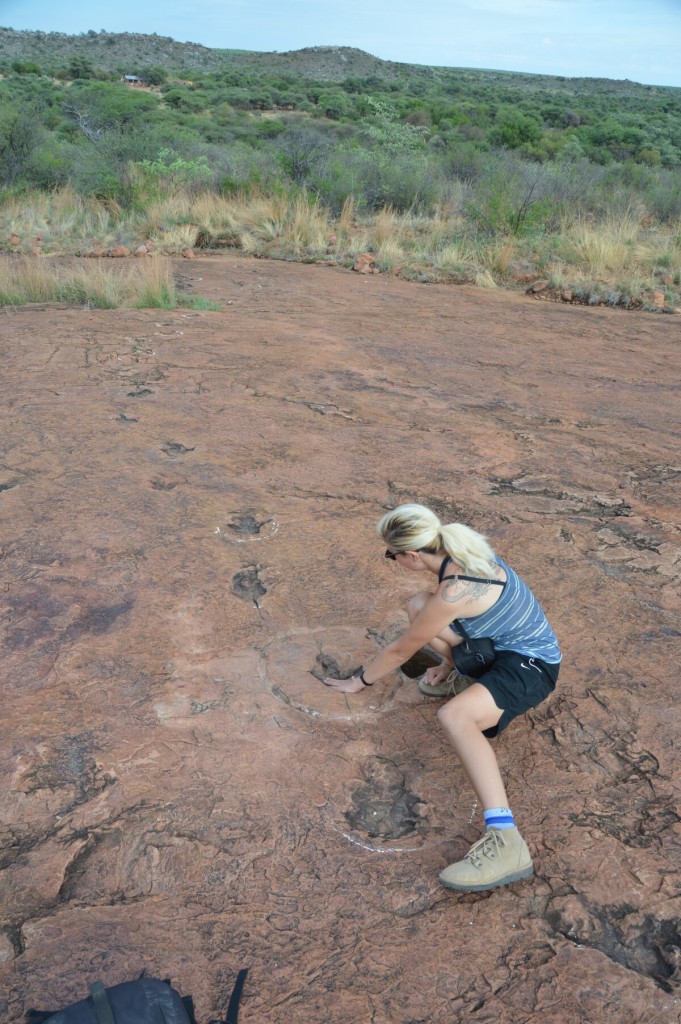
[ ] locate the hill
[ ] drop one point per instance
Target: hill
(107, 51)
(114, 52)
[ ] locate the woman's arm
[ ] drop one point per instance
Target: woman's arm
(433, 618)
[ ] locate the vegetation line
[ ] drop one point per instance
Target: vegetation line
(568, 186)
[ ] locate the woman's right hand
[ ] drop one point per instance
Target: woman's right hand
(438, 673)
(352, 685)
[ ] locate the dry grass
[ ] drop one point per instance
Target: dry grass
(630, 255)
(456, 258)
(608, 247)
(347, 217)
(94, 284)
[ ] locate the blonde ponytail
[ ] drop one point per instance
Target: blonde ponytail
(416, 528)
(468, 548)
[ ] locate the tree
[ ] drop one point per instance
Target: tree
(155, 76)
(101, 108)
(80, 67)
(20, 134)
(390, 133)
(514, 129)
(301, 150)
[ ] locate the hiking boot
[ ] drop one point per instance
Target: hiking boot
(500, 857)
(453, 684)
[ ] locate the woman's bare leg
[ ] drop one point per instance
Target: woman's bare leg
(501, 856)
(463, 718)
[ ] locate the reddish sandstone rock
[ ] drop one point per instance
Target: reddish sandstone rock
(658, 299)
(188, 507)
(566, 295)
(15, 240)
(188, 254)
(141, 250)
(118, 252)
(365, 263)
(538, 286)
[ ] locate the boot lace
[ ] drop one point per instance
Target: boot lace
(488, 846)
(456, 683)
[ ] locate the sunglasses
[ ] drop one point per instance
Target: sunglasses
(392, 555)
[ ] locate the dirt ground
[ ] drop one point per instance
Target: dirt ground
(188, 508)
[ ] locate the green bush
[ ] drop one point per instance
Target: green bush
(20, 136)
(26, 67)
(512, 197)
(302, 152)
(170, 170)
(514, 129)
(405, 181)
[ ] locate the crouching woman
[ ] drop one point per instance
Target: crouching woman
(477, 595)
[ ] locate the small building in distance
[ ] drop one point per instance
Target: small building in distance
(132, 79)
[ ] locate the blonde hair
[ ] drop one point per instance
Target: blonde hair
(416, 528)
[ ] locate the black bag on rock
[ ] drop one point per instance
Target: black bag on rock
(145, 1001)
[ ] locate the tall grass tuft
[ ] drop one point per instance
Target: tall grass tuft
(606, 247)
(146, 283)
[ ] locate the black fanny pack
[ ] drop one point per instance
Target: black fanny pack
(473, 657)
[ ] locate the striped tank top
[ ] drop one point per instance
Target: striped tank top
(516, 622)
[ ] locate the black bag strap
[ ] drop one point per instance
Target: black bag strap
(101, 1004)
(235, 998)
(459, 576)
(461, 628)
(473, 579)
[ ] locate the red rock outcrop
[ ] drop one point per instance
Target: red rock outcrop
(188, 503)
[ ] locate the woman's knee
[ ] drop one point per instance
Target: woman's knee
(473, 709)
(453, 718)
(415, 604)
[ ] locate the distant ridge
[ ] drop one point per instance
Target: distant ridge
(131, 51)
(107, 50)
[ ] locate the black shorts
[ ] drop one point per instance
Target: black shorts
(517, 683)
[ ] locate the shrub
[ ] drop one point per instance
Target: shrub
(20, 135)
(26, 67)
(511, 197)
(375, 178)
(514, 129)
(302, 152)
(170, 170)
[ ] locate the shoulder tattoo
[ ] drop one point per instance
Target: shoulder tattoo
(463, 590)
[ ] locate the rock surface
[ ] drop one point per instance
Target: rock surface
(188, 504)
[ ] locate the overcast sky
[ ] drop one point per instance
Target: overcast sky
(635, 39)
